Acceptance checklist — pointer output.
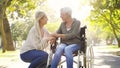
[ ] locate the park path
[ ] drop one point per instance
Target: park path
(105, 58)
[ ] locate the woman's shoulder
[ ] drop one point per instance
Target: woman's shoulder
(32, 31)
(76, 21)
(62, 24)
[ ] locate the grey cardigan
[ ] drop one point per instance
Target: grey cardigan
(70, 36)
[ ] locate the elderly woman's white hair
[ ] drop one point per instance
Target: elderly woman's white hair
(67, 10)
(39, 15)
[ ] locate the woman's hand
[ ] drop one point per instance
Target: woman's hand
(58, 35)
(52, 40)
(55, 35)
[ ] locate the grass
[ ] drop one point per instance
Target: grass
(11, 59)
(9, 54)
(112, 47)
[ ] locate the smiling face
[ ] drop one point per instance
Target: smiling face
(64, 16)
(43, 20)
(65, 13)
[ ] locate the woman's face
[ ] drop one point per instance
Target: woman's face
(44, 20)
(63, 16)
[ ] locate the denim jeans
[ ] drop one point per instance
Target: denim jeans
(67, 50)
(36, 58)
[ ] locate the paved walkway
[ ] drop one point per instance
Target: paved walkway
(105, 58)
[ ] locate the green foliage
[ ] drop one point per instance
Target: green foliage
(103, 4)
(20, 30)
(24, 10)
(106, 15)
(21, 7)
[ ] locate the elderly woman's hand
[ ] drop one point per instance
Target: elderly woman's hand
(54, 35)
(58, 35)
(52, 40)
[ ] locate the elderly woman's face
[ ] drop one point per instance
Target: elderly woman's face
(64, 16)
(44, 20)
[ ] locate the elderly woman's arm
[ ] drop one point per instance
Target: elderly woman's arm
(71, 35)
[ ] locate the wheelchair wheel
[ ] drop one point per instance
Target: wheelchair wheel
(89, 59)
(61, 66)
(81, 60)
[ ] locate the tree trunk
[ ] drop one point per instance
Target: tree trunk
(118, 43)
(10, 46)
(117, 38)
(113, 28)
(2, 29)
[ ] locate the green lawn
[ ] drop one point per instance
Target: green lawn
(9, 52)
(13, 55)
(112, 49)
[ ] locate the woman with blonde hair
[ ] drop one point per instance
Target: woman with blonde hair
(32, 50)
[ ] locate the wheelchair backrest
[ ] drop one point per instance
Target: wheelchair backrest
(82, 33)
(83, 39)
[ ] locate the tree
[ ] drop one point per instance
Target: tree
(18, 27)
(107, 14)
(24, 20)
(3, 5)
(8, 6)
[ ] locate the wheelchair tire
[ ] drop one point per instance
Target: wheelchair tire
(89, 57)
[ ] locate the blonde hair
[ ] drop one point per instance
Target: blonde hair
(39, 15)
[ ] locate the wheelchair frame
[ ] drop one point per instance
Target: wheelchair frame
(85, 57)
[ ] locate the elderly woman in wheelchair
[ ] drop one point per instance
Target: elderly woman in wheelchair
(68, 33)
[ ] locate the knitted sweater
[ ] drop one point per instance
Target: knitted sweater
(35, 40)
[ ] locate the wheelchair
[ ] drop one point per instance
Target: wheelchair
(85, 55)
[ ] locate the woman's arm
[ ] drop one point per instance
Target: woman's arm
(36, 41)
(71, 35)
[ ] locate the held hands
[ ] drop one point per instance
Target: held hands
(51, 40)
(58, 35)
(55, 35)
